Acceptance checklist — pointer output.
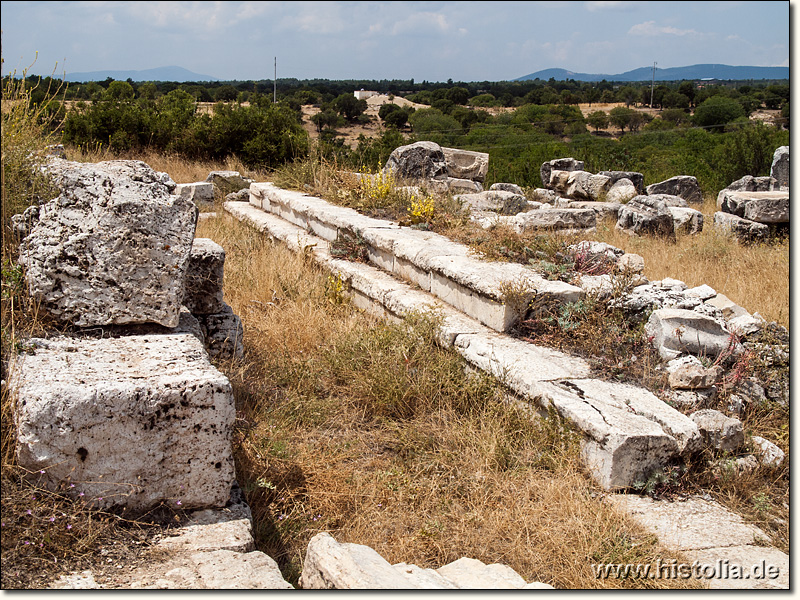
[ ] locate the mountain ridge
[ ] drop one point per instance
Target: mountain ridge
(171, 73)
(691, 72)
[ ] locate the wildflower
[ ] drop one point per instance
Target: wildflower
(69, 526)
(178, 503)
(52, 519)
(42, 471)
(29, 512)
(81, 494)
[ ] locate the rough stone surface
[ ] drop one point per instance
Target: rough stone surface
(203, 287)
(646, 216)
(506, 203)
(602, 209)
(748, 183)
(227, 182)
(769, 454)
(676, 331)
(714, 537)
(558, 164)
(780, 167)
(636, 179)
(582, 185)
(201, 192)
(544, 196)
(761, 207)
(622, 191)
(684, 186)
(555, 219)
(718, 431)
(130, 421)
(743, 229)
(421, 160)
(466, 164)
(224, 333)
(506, 187)
(693, 376)
(113, 248)
(686, 221)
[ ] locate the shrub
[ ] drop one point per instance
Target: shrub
(717, 111)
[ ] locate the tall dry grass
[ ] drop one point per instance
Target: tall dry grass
(754, 276)
(370, 431)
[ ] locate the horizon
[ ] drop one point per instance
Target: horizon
(424, 41)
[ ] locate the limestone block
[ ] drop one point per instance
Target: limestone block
(426, 578)
(670, 200)
(558, 164)
(780, 167)
(555, 219)
(622, 191)
(506, 187)
(602, 209)
(744, 229)
(203, 288)
(748, 183)
(644, 215)
(728, 307)
(769, 454)
(768, 210)
(636, 179)
(200, 192)
(466, 164)
(693, 377)
(684, 186)
(420, 160)
(704, 292)
(687, 221)
(677, 331)
(470, 573)
(224, 333)
(506, 203)
(332, 565)
(630, 262)
(718, 431)
(130, 421)
(544, 196)
(220, 569)
(582, 185)
(226, 182)
(455, 185)
(112, 249)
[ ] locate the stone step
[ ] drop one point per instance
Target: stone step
(629, 432)
(431, 261)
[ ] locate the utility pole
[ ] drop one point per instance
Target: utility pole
(275, 83)
(653, 84)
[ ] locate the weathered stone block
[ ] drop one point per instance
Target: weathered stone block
(201, 192)
(780, 167)
(130, 421)
(466, 164)
(743, 229)
(687, 221)
(420, 160)
(677, 331)
(203, 288)
(644, 215)
(718, 431)
(558, 164)
(684, 186)
(113, 248)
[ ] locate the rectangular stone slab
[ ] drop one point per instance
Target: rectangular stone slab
(130, 421)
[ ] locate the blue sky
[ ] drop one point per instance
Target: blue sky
(434, 41)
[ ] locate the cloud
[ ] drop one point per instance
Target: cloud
(649, 28)
(610, 6)
(422, 23)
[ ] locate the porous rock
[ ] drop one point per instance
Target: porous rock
(129, 421)
(113, 248)
(466, 164)
(420, 160)
(684, 186)
(719, 431)
(203, 288)
(644, 215)
(558, 164)
(677, 331)
(780, 167)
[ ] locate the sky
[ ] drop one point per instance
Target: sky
(433, 41)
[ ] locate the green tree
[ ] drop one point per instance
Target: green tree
(621, 117)
(458, 95)
(349, 106)
(598, 119)
(717, 111)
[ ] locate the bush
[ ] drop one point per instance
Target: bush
(716, 112)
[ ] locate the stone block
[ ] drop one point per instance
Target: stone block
(224, 333)
(644, 215)
(555, 219)
(558, 164)
(743, 229)
(203, 288)
(686, 221)
(684, 186)
(780, 167)
(718, 431)
(677, 331)
(466, 164)
(112, 249)
(130, 421)
(506, 187)
(200, 192)
(636, 179)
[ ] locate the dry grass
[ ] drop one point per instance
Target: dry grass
(755, 276)
(372, 432)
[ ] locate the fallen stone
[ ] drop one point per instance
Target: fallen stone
(555, 219)
(718, 431)
(224, 333)
(544, 196)
(227, 182)
(130, 421)
(470, 573)
(728, 307)
(687, 221)
(704, 292)
(678, 331)
(602, 209)
(684, 186)
(204, 276)
(582, 185)
(112, 249)
(748, 183)
(622, 191)
(507, 187)
(743, 229)
(762, 207)
(693, 377)
(558, 164)
(466, 164)
(420, 160)
(780, 167)
(646, 216)
(768, 453)
(455, 186)
(636, 179)
(670, 200)
(506, 203)
(201, 192)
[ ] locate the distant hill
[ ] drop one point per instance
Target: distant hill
(178, 74)
(671, 74)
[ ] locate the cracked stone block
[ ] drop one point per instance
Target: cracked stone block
(130, 421)
(718, 431)
(204, 276)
